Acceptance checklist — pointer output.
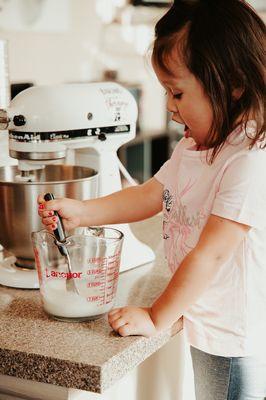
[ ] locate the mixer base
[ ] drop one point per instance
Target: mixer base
(17, 277)
(23, 263)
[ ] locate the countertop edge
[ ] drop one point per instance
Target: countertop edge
(114, 369)
(92, 378)
(36, 367)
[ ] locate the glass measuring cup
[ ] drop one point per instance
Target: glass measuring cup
(95, 260)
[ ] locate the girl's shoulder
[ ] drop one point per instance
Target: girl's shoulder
(239, 144)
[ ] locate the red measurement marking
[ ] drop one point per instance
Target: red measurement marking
(113, 263)
(110, 274)
(93, 284)
(97, 260)
(95, 271)
(115, 256)
(94, 298)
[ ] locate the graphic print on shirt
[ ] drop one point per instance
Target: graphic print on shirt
(178, 225)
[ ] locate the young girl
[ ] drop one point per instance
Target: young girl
(208, 55)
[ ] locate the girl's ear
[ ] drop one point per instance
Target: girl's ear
(237, 93)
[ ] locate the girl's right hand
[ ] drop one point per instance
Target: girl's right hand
(71, 212)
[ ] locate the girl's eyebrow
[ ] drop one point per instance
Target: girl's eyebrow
(171, 84)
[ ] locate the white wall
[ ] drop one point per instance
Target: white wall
(81, 53)
(54, 57)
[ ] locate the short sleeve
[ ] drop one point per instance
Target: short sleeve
(241, 195)
(163, 174)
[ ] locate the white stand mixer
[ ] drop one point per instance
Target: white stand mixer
(81, 124)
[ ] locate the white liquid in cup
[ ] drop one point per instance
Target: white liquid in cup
(60, 302)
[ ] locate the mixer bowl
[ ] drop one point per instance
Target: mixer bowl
(18, 202)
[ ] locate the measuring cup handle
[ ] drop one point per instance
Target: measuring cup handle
(59, 232)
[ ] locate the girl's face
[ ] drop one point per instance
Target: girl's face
(186, 100)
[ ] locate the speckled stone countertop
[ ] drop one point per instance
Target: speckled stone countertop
(87, 356)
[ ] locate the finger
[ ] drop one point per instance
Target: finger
(113, 317)
(50, 220)
(52, 205)
(40, 199)
(41, 208)
(51, 228)
(114, 311)
(47, 213)
(125, 330)
(48, 205)
(118, 323)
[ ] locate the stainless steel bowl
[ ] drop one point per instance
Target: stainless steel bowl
(18, 202)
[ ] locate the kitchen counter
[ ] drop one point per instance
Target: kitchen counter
(87, 356)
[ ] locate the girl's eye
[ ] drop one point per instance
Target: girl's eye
(177, 96)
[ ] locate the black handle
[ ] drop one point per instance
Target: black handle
(59, 232)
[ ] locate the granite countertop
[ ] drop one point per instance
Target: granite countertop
(89, 355)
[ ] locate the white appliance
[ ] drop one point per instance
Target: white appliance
(79, 124)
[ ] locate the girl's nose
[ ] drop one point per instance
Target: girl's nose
(171, 105)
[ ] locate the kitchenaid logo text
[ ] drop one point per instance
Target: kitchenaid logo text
(65, 275)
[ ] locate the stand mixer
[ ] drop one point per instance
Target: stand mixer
(71, 124)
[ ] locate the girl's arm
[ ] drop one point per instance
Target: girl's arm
(128, 205)
(218, 241)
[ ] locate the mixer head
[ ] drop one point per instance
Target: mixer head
(45, 121)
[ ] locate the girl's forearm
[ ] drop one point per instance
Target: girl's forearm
(186, 286)
(128, 205)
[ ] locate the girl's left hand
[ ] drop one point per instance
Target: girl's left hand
(132, 321)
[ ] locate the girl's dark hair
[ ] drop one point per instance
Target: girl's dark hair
(224, 47)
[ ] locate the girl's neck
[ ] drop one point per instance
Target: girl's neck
(200, 147)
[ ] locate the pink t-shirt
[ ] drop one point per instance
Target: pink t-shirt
(229, 319)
